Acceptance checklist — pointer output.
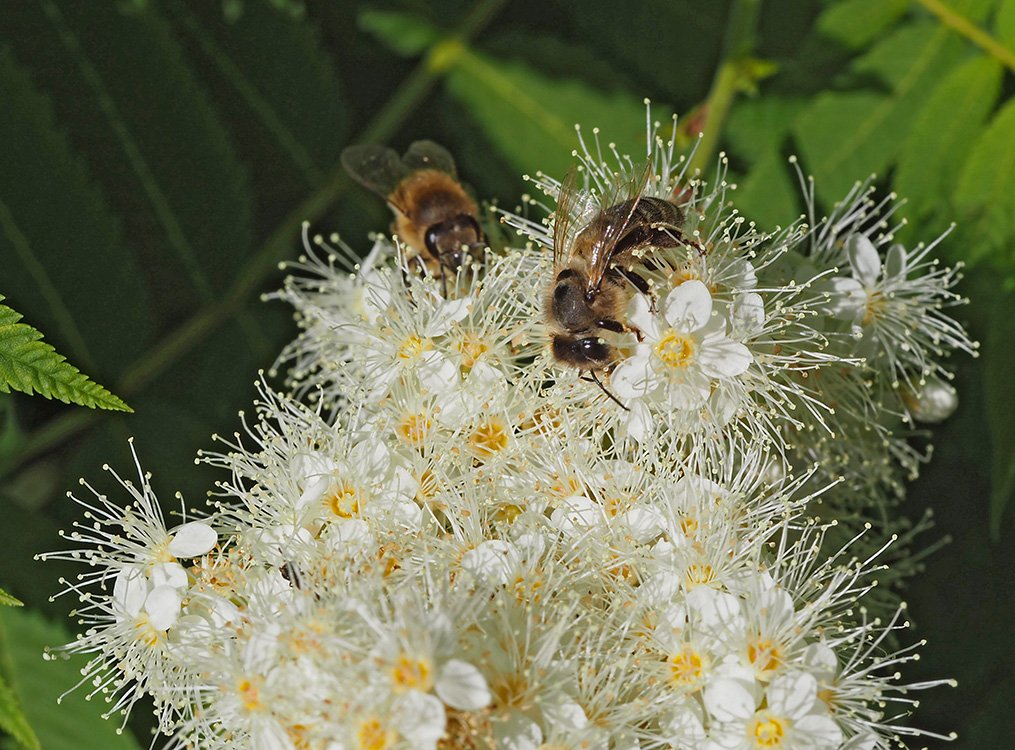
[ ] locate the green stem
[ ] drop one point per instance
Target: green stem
(412, 91)
(963, 26)
(739, 44)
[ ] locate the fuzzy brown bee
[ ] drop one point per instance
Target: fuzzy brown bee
(434, 216)
(594, 269)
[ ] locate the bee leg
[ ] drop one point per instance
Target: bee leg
(612, 325)
(637, 279)
(597, 381)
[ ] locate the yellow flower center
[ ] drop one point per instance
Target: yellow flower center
(342, 500)
(412, 347)
(250, 693)
(410, 673)
(567, 485)
(765, 655)
(685, 667)
(675, 349)
(488, 438)
(414, 428)
(471, 347)
(371, 735)
(767, 731)
(428, 488)
(697, 574)
(507, 512)
(509, 690)
(689, 525)
(875, 306)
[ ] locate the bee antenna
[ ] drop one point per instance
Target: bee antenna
(604, 389)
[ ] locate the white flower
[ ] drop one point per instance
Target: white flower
(787, 721)
(680, 357)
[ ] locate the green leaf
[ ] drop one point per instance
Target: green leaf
(61, 251)
(531, 118)
(154, 140)
(1004, 23)
(404, 33)
(74, 724)
(857, 23)
(768, 194)
(12, 718)
(10, 601)
(999, 359)
(847, 136)
(757, 127)
(292, 97)
(29, 365)
(985, 191)
(941, 134)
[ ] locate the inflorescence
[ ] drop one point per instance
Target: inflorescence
(440, 537)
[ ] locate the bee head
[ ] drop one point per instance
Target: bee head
(453, 241)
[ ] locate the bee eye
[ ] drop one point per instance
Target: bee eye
(431, 238)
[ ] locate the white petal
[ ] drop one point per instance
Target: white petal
(421, 717)
(130, 590)
(639, 314)
(821, 731)
(689, 306)
(748, 315)
(634, 377)
(485, 377)
(517, 733)
(847, 298)
(460, 685)
(576, 514)
(684, 729)
(729, 700)
(222, 611)
(268, 734)
(689, 394)
(895, 263)
(169, 574)
(638, 422)
(820, 658)
(724, 358)
(792, 695)
(315, 490)
(437, 372)
(862, 740)
(192, 539)
(643, 524)
(568, 716)
(864, 259)
(451, 311)
(163, 606)
(490, 560)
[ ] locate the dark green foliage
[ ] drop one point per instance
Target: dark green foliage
(152, 148)
(74, 724)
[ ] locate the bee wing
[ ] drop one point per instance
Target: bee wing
(377, 168)
(429, 155)
(563, 219)
(604, 248)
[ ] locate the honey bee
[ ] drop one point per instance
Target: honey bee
(593, 273)
(434, 215)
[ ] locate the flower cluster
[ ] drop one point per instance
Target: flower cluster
(444, 537)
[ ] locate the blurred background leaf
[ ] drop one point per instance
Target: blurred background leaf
(73, 724)
(159, 156)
